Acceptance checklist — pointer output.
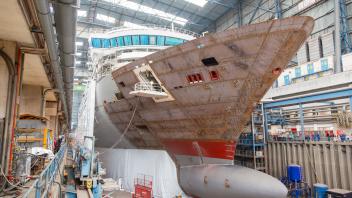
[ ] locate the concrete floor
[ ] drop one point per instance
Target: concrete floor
(121, 194)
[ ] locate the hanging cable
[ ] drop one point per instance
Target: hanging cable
(124, 132)
(11, 184)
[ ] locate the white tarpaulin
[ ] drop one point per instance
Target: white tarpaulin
(127, 164)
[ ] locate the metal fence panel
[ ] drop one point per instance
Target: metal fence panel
(322, 162)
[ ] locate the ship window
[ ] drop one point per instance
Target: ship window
(96, 42)
(190, 79)
(122, 84)
(298, 72)
(127, 40)
(310, 68)
(160, 40)
(199, 77)
(210, 61)
(135, 39)
(152, 40)
(147, 76)
(321, 52)
(120, 41)
(324, 64)
(287, 79)
(144, 40)
(173, 41)
(194, 78)
(214, 75)
(119, 95)
(307, 52)
(106, 43)
(113, 42)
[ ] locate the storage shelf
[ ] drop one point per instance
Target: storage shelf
(250, 146)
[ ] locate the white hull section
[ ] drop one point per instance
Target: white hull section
(105, 131)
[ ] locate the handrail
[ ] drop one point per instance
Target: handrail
(148, 86)
(42, 184)
(153, 26)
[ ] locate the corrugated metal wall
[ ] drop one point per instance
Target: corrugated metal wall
(328, 43)
(322, 162)
(302, 55)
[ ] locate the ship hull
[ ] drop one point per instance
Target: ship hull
(212, 85)
(247, 61)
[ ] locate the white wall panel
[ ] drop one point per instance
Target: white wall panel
(328, 43)
(314, 49)
(302, 55)
(128, 163)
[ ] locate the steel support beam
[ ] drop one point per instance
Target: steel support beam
(346, 93)
(255, 11)
(260, 8)
(338, 66)
(239, 13)
(278, 11)
(265, 123)
(345, 37)
(301, 120)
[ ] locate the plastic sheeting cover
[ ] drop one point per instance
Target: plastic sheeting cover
(127, 164)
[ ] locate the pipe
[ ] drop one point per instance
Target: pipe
(44, 15)
(65, 14)
(10, 100)
(338, 67)
(42, 107)
(20, 62)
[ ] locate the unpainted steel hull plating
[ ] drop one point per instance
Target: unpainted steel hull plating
(199, 127)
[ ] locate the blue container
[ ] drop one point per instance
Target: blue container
(343, 137)
(294, 173)
(320, 190)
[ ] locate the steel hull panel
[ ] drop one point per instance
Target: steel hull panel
(250, 59)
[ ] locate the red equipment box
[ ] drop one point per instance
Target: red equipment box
(143, 186)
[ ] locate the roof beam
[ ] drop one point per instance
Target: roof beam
(260, 8)
(100, 4)
(188, 12)
(255, 11)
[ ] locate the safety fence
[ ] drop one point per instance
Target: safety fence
(329, 163)
(43, 184)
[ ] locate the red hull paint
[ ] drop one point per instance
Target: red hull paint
(206, 148)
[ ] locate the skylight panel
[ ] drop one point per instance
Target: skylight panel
(82, 13)
(141, 8)
(105, 18)
(199, 3)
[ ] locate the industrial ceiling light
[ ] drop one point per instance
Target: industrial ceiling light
(82, 13)
(78, 62)
(148, 10)
(106, 18)
(199, 3)
(78, 53)
(79, 43)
